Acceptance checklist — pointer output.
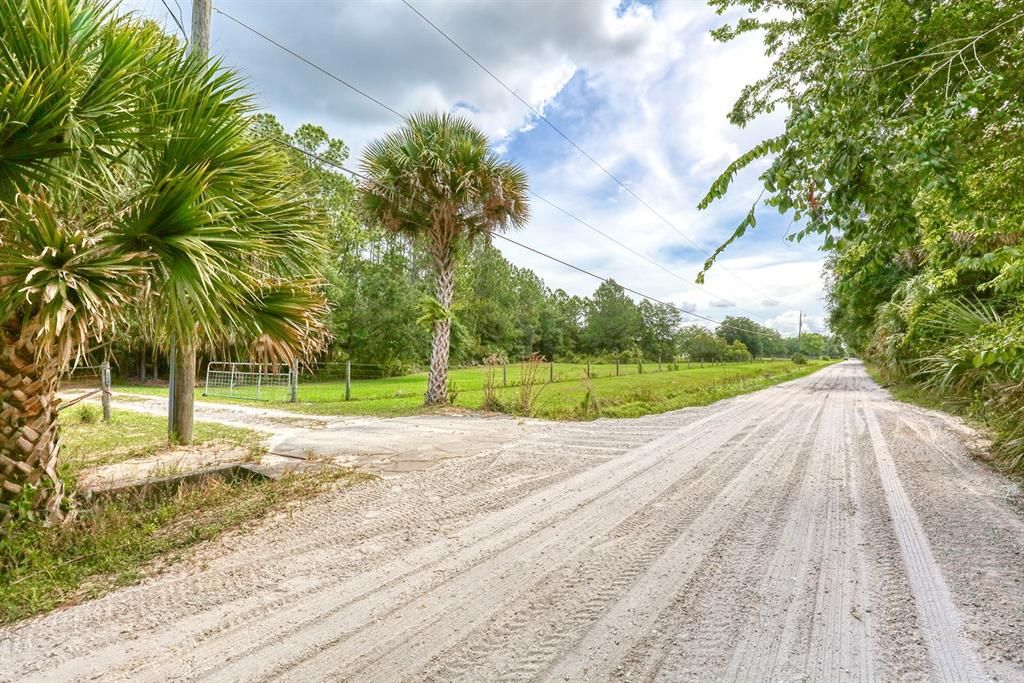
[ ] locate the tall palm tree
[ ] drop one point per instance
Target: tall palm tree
(436, 181)
(130, 186)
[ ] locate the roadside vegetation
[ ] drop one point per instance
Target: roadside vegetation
(903, 152)
(110, 542)
(133, 196)
(383, 303)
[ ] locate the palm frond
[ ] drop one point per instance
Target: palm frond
(129, 180)
(437, 178)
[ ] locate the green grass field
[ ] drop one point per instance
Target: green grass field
(571, 396)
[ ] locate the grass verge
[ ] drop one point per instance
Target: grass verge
(112, 542)
(659, 393)
(88, 442)
(572, 396)
(917, 395)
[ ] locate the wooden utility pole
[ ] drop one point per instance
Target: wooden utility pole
(181, 389)
(800, 327)
(201, 12)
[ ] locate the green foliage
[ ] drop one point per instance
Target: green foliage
(758, 339)
(799, 359)
(481, 194)
(902, 152)
(87, 414)
(127, 170)
(613, 319)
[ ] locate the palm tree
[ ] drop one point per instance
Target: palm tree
(130, 188)
(436, 181)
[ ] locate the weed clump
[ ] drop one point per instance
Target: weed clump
(87, 414)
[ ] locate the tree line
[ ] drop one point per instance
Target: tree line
(379, 291)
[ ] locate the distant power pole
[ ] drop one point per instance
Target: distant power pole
(201, 11)
(800, 327)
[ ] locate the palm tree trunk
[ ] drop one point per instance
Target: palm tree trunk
(437, 385)
(184, 392)
(29, 435)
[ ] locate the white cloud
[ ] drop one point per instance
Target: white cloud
(644, 91)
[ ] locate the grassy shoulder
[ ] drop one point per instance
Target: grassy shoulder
(87, 441)
(626, 391)
(917, 395)
(659, 392)
(111, 542)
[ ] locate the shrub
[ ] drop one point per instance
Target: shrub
(491, 401)
(799, 359)
(528, 379)
(87, 414)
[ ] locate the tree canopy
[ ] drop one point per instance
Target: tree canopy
(902, 152)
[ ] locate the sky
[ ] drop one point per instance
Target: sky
(639, 85)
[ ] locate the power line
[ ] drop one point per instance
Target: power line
(177, 19)
(366, 178)
(572, 142)
(319, 68)
(607, 279)
(633, 251)
(383, 105)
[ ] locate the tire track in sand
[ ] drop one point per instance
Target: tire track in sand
(573, 595)
(951, 656)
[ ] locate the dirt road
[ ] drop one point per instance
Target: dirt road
(816, 530)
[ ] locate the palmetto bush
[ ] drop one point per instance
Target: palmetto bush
(130, 187)
(976, 355)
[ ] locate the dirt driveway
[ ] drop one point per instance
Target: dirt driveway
(816, 530)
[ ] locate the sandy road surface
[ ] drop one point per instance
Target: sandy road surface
(816, 530)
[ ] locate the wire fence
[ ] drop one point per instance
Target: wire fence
(82, 375)
(351, 381)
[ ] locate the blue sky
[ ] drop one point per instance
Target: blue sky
(639, 85)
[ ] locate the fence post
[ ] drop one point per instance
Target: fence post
(616, 367)
(348, 380)
(172, 359)
(659, 363)
(551, 372)
(504, 374)
(640, 367)
(588, 369)
(294, 369)
(105, 389)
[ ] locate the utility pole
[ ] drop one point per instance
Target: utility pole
(800, 327)
(182, 358)
(201, 12)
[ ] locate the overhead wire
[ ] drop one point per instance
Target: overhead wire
(385, 106)
(176, 18)
(633, 251)
(572, 142)
(366, 178)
